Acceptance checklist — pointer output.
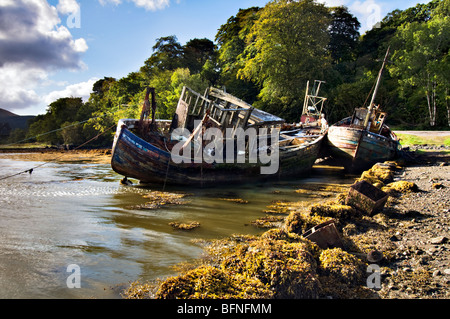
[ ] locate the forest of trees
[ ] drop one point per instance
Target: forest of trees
(265, 56)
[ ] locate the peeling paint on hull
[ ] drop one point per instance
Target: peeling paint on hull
(359, 148)
(135, 158)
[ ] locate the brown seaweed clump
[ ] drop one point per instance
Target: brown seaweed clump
(331, 209)
(217, 250)
(250, 267)
(138, 290)
(401, 187)
(379, 175)
(289, 269)
(302, 220)
(320, 190)
(342, 275)
(299, 222)
(208, 282)
(268, 222)
(279, 234)
(184, 226)
(283, 207)
(160, 199)
(342, 266)
(278, 265)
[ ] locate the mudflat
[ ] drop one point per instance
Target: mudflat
(96, 156)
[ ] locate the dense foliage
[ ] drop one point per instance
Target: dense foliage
(266, 55)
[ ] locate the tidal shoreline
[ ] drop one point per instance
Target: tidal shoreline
(97, 156)
(417, 228)
(410, 234)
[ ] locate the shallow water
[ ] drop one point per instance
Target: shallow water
(78, 214)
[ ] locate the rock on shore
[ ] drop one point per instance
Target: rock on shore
(408, 241)
(420, 234)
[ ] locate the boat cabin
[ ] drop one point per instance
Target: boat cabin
(376, 120)
(313, 104)
(223, 109)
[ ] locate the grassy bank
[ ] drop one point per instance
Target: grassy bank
(429, 139)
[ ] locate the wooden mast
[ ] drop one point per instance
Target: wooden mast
(372, 102)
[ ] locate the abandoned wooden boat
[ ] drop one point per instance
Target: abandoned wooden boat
(363, 139)
(313, 106)
(247, 145)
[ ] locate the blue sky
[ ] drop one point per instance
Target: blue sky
(58, 48)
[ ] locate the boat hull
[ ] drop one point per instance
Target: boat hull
(358, 148)
(136, 158)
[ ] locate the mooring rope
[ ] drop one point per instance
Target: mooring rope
(55, 159)
(168, 166)
(57, 130)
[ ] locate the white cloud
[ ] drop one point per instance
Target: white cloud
(17, 82)
(31, 33)
(104, 2)
(369, 13)
(33, 42)
(152, 5)
(68, 6)
(82, 90)
(80, 45)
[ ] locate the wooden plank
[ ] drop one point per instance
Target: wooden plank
(257, 115)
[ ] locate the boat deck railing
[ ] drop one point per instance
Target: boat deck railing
(225, 110)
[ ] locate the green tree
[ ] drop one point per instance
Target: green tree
(287, 47)
(231, 38)
(46, 128)
(197, 52)
(373, 42)
(210, 72)
(344, 35)
(422, 62)
(41, 128)
(102, 86)
(17, 135)
(167, 56)
(72, 133)
(65, 109)
(168, 86)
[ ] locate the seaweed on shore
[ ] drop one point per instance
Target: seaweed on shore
(185, 226)
(159, 199)
(281, 263)
(208, 282)
(268, 222)
(401, 187)
(379, 175)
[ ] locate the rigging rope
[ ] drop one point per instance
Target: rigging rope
(370, 93)
(60, 129)
(55, 159)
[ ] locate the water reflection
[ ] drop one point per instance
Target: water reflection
(78, 213)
